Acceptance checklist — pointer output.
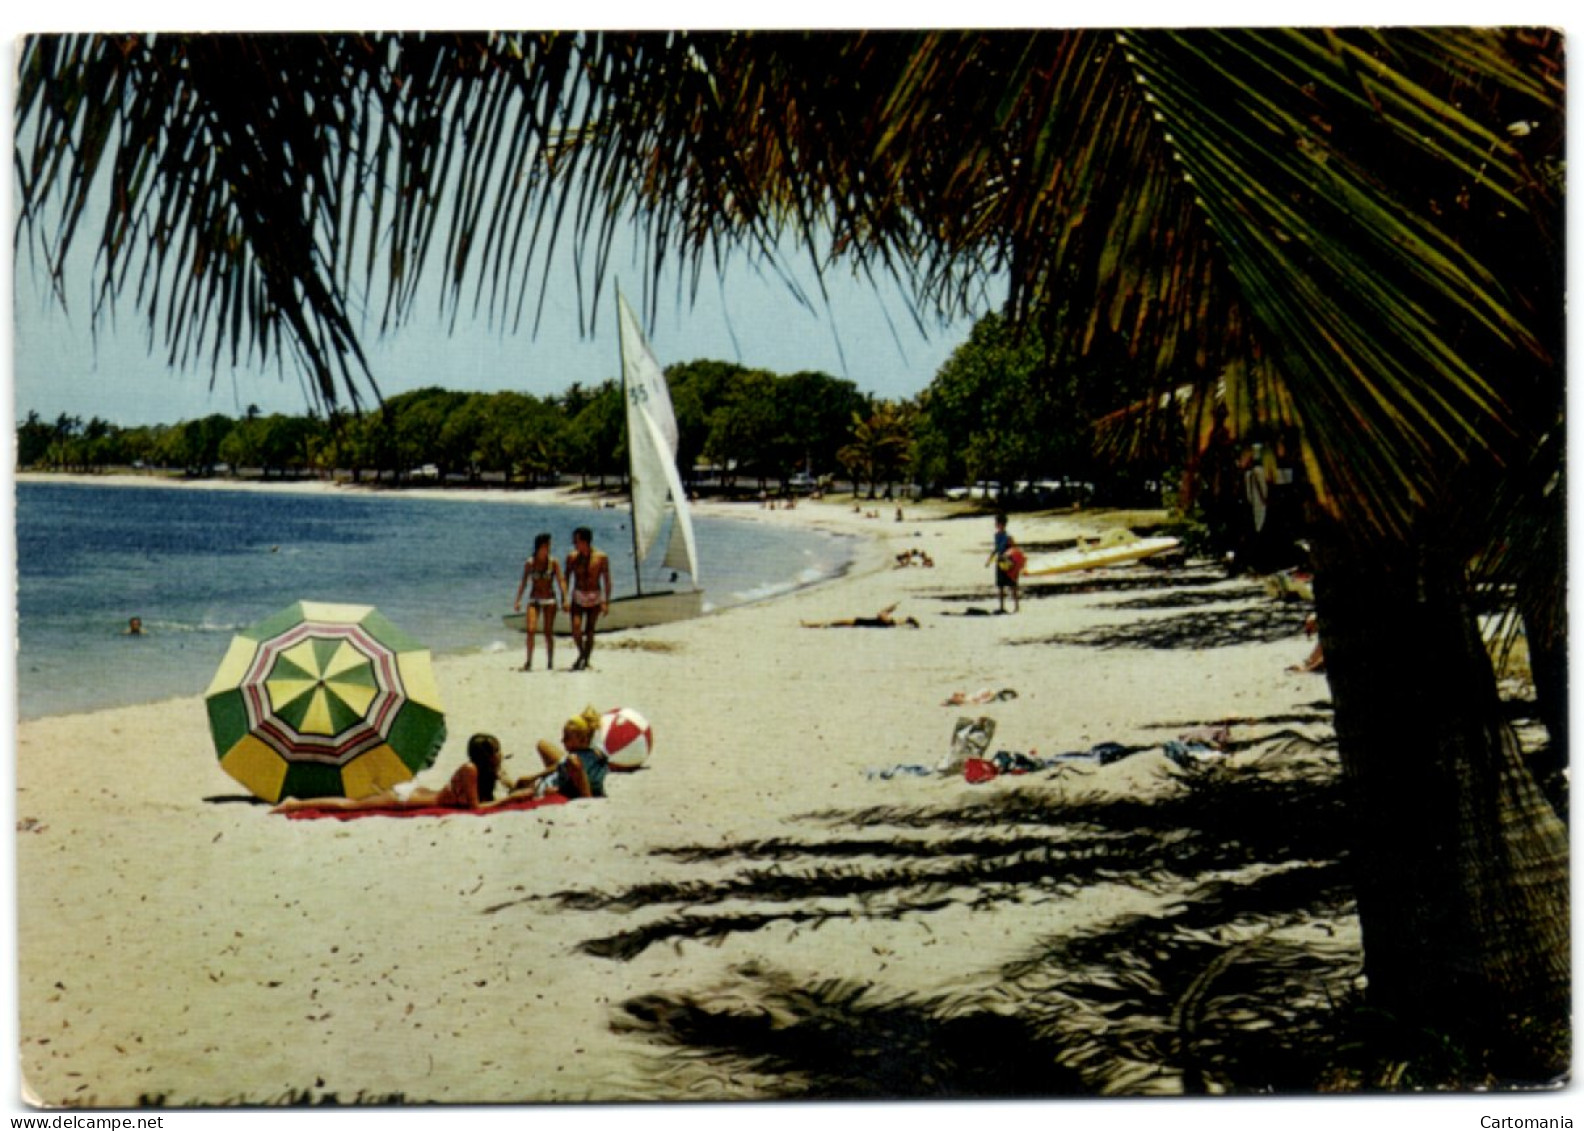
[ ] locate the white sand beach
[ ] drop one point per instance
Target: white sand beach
(180, 945)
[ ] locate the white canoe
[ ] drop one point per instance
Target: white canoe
(640, 610)
(1116, 548)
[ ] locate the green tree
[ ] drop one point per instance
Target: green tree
(143, 444)
(458, 446)
(33, 441)
(417, 424)
(595, 442)
(880, 447)
(1355, 231)
(1001, 409)
(243, 446)
(287, 443)
(698, 388)
(743, 427)
(814, 412)
(194, 445)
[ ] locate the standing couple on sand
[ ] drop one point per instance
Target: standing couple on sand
(585, 591)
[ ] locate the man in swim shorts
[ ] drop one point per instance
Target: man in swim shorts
(588, 592)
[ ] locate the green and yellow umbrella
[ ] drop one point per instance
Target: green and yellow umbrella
(324, 701)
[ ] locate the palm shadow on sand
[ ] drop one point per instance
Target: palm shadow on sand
(1133, 579)
(1262, 622)
(1236, 983)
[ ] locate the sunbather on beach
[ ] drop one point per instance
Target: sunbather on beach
(471, 787)
(576, 768)
(882, 619)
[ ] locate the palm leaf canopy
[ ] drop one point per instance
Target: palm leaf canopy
(1356, 232)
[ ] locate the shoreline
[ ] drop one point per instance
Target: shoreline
(179, 943)
(859, 555)
(570, 496)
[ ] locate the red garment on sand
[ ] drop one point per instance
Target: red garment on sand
(978, 770)
(427, 811)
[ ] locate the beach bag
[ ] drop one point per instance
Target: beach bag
(970, 739)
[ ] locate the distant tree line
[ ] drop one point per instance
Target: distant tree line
(994, 412)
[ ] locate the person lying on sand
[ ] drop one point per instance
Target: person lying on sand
(576, 768)
(471, 787)
(882, 619)
(983, 695)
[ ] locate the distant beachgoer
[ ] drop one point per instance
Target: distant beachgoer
(882, 619)
(1017, 562)
(1316, 659)
(577, 767)
(1005, 568)
(134, 627)
(589, 582)
(471, 787)
(542, 579)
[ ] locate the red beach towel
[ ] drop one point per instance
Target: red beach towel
(428, 811)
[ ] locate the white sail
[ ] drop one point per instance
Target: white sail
(683, 526)
(651, 449)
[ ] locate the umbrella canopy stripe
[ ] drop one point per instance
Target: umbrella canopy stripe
(327, 690)
(417, 677)
(324, 700)
(296, 746)
(257, 766)
(228, 676)
(381, 768)
(407, 733)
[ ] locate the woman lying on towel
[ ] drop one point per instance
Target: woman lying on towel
(471, 787)
(575, 769)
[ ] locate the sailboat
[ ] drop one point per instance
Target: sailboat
(655, 491)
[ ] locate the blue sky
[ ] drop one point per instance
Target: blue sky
(862, 330)
(866, 334)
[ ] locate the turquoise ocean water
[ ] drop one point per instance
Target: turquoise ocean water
(197, 565)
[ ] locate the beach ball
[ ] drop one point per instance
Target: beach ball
(627, 738)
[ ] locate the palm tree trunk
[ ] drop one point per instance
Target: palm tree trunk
(1462, 865)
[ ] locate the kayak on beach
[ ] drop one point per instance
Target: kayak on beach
(1113, 548)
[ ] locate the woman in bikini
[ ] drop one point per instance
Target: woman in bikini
(542, 579)
(471, 787)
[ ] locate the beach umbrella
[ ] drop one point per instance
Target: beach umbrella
(324, 700)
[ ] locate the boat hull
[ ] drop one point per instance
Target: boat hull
(1073, 561)
(639, 610)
